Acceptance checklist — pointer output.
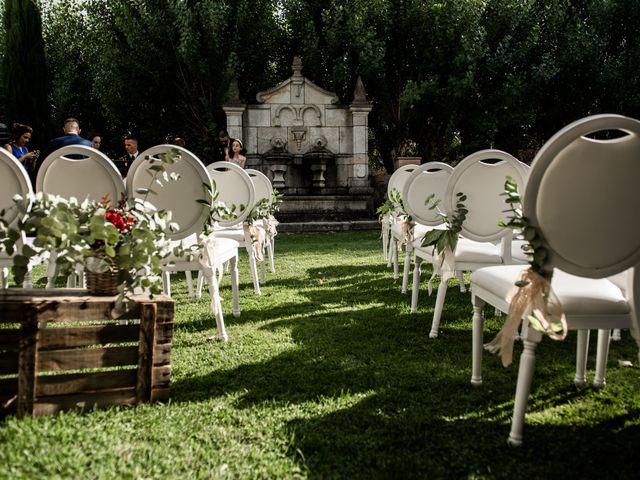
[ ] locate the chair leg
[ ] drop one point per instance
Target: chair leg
(253, 267)
(217, 306)
(460, 275)
(407, 267)
(385, 250)
(582, 349)
(477, 341)
(189, 279)
(395, 259)
(199, 284)
(234, 287)
(415, 289)
(166, 283)
(4, 277)
(263, 270)
(523, 387)
(390, 245)
(271, 248)
(599, 380)
(437, 310)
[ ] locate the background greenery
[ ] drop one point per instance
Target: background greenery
(453, 76)
(328, 375)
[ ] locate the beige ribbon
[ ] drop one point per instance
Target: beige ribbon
(271, 224)
(532, 297)
(257, 239)
(406, 233)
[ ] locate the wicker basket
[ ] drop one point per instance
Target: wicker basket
(105, 283)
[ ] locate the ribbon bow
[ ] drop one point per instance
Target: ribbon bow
(532, 297)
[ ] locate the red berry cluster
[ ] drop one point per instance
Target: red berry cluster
(122, 222)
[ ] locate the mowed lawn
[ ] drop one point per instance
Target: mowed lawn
(328, 375)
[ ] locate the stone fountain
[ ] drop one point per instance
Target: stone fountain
(314, 150)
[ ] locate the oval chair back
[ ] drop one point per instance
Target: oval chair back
(398, 179)
(13, 181)
(262, 185)
(481, 177)
(81, 172)
(235, 189)
(429, 178)
(180, 196)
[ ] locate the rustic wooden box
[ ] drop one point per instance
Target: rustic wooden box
(62, 350)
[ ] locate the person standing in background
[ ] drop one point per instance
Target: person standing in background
(236, 155)
(96, 141)
(223, 149)
(20, 136)
(131, 149)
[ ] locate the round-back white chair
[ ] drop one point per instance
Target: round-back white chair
(582, 198)
(236, 190)
(392, 228)
(81, 172)
(481, 177)
(13, 181)
(264, 190)
(429, 178)
(181, 198)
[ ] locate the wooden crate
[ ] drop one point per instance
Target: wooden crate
(63, 350)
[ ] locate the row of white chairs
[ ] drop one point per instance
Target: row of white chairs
(82, 172)
(580, 195)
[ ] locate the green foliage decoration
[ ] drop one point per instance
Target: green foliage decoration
(97, 236)
(441, 239)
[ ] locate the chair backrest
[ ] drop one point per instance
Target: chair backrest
(481, 177)
(180, 196)
(13, 181)
(429, 178)
(81, 172)
(235, 188)
(583, 196)
(262, 184)
(399, 178)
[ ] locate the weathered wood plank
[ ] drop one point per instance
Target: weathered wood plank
(27, 361)
(162, 355)
(164, 333)
(66, 384)
(9, 362)
(87, 401)
(77, 359)
(160, 394)
(161, 377)
(89, 335)
(146, 351)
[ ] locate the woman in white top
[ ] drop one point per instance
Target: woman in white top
(234, 155)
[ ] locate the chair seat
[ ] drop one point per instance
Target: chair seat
(578, 295)
(225, 249)
(469, 251)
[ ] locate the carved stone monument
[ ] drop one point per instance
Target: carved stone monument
(314, 150)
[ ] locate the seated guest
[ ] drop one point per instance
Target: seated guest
(71, 136)
(96, 141)
(20, 136)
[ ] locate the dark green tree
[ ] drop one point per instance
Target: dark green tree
(24, 72)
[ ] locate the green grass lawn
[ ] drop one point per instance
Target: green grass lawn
(328, 375)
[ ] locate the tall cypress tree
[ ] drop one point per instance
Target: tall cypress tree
(24, 71)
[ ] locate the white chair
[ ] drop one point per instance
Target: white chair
(396, 222)
(83, 173)
(264, 190)
(480, 177)
(235, 188)
(181, 198)
(582, 197)
(13, 181)
(429, 179)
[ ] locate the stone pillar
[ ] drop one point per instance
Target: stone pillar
(360, 109)
(234, 120)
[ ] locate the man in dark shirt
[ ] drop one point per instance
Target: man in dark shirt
(71, 136)
(223, 149)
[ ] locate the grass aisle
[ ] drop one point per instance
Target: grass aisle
(327, 375)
